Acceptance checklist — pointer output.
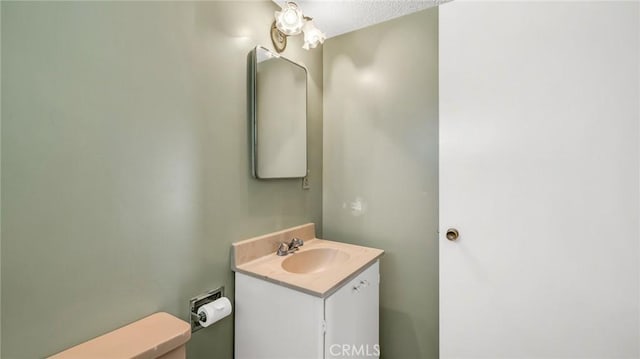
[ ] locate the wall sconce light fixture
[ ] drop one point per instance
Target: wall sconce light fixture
(290, 21)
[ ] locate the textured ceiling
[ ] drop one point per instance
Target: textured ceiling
(335, 17)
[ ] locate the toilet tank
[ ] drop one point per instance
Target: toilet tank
(158, 336)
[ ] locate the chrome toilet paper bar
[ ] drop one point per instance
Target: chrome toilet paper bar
(198, 301)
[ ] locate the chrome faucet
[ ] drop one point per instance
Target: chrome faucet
(286, 248)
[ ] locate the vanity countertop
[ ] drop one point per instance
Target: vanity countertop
(257, 257)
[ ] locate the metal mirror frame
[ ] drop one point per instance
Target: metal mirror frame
(253, 97)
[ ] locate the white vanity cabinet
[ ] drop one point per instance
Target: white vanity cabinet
(273, 321)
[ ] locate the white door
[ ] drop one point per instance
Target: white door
(539, 172)
(352, 319)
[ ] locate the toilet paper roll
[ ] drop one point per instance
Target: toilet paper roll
(215, 311)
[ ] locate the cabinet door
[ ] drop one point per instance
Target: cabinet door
(275, 322)
(352, 317)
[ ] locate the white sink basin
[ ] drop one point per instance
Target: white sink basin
(314, 260)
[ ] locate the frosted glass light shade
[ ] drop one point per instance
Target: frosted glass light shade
(312, 35)
(290, 19)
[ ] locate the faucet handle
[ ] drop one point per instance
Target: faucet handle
(296, 242)
(283, 249)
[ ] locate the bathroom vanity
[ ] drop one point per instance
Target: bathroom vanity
(319, 302)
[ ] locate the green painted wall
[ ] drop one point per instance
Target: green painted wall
(125, 164)
(0, 184)
(381, 150)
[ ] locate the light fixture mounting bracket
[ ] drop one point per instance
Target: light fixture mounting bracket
(278, 39)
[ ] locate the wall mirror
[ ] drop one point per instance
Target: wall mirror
(278, 114)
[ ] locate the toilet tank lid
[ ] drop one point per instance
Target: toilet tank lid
(149, 337)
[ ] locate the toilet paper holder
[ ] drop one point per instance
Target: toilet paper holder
(198, 301)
